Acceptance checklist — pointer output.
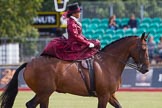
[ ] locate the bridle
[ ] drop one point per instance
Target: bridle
(138, 65)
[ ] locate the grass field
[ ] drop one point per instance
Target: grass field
(127, 100)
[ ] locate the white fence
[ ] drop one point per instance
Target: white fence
(17, 51)
(9, 53)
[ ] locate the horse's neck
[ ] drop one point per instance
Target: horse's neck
(114, 57)
(120, 48)
(118, 53)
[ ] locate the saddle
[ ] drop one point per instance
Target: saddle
(88, 64)
(84, 64)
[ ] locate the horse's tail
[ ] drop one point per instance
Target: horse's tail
(8, 96)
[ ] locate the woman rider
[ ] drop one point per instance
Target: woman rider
(76, 46)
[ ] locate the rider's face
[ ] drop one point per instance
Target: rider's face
(77, 14)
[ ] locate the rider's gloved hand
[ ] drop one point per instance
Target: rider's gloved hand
(91, 45)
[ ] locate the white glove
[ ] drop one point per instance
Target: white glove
(91, 45)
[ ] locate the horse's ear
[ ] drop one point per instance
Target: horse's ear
(143, 36)
(147, 35)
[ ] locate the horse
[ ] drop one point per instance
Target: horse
(45, 75)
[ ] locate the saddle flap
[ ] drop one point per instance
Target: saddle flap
(84, 64)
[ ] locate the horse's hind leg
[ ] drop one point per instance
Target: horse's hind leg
(114, 102)
(42, 99)
(32, 103)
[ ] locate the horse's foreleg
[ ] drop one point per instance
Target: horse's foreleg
(102, 101)
(44, 100)
(114, 102)
(32, 103)
(44, 104)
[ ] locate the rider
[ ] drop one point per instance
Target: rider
(75, 46)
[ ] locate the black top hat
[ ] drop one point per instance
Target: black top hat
(73, 8)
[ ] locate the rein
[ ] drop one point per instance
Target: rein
(134, 66)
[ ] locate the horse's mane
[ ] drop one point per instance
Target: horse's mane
(117, 41)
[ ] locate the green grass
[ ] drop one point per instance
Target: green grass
(127, 100)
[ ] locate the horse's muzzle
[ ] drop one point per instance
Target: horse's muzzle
(144, 69)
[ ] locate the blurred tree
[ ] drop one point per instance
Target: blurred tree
(152, 8)
(48, 5)
(122, 8)
(16, 17)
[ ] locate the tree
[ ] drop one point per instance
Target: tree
(16, 18)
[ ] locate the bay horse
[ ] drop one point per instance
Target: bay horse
(44, 75)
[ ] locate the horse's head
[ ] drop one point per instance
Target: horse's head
(139, 52)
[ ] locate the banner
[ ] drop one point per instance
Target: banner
(157, 77)
(47, 20)
(6, 74)
(130, 77)
(133, 78)
(144, 80)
